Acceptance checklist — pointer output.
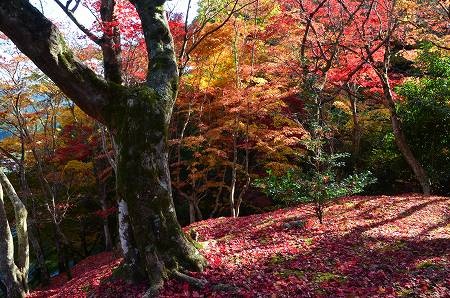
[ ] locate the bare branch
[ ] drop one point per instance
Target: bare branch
(43, 43)
(72, 17)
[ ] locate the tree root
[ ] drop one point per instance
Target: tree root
(195, 282)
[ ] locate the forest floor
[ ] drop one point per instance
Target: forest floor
(379, 246)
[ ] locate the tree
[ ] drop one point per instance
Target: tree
(14, 271)
(15, 120)
(317, 180)
(389, 23)
(425, 113)
(137, 116)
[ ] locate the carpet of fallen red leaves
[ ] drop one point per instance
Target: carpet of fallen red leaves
(376, 246)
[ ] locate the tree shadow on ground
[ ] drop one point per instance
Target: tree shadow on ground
(347, 256)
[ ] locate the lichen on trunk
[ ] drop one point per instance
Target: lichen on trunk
(143, 181)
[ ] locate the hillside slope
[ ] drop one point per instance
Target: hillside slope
(367, 247)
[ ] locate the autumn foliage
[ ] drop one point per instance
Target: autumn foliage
(376, 246)
(258, 80)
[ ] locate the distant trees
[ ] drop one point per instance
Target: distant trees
(256, 83)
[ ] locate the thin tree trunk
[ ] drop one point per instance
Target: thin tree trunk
(39, 253)
(101, 192)
(191, 211)
(106, 231)
(356, 136)
(218, 196)
(400, 139)
(61, 252)
(233, 176)
(198, 212)
(403, 146)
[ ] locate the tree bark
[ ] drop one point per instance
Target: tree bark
(403, 146)
(400, 139)
(106, 232)
(191, 211)
(127, 244)
(33, 233)
(125, 233)
(101, 193)
(143, 182)
(40, 258)
(14, 271)
(138, 117)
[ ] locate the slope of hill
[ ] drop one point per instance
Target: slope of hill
(367, 247)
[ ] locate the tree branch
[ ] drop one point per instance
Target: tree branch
(72, 17)
(43, 43)
(162, 65)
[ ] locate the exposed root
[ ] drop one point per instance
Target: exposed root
(195, 282)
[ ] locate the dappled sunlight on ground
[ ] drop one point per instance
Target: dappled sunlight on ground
(367, 247)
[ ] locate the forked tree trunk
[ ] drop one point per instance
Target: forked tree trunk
(13, 270)
(138, 118)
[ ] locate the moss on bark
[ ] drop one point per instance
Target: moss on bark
(140, 124)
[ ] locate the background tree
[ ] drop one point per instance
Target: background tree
(14, 270)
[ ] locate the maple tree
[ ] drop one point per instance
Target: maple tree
(319, 185)
(215, 103)
(143, 180)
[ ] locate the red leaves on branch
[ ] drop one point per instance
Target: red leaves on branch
(105, 213)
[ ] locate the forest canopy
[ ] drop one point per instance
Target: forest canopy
(117, 133)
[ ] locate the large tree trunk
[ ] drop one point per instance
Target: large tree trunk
(138, 117)
(143, 181)
(126, 242)
(125, 233)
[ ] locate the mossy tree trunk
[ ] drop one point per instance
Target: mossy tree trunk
(13, 269)
(143, 181)
(137, 116)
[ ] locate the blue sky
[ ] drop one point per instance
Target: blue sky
(84, 16)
